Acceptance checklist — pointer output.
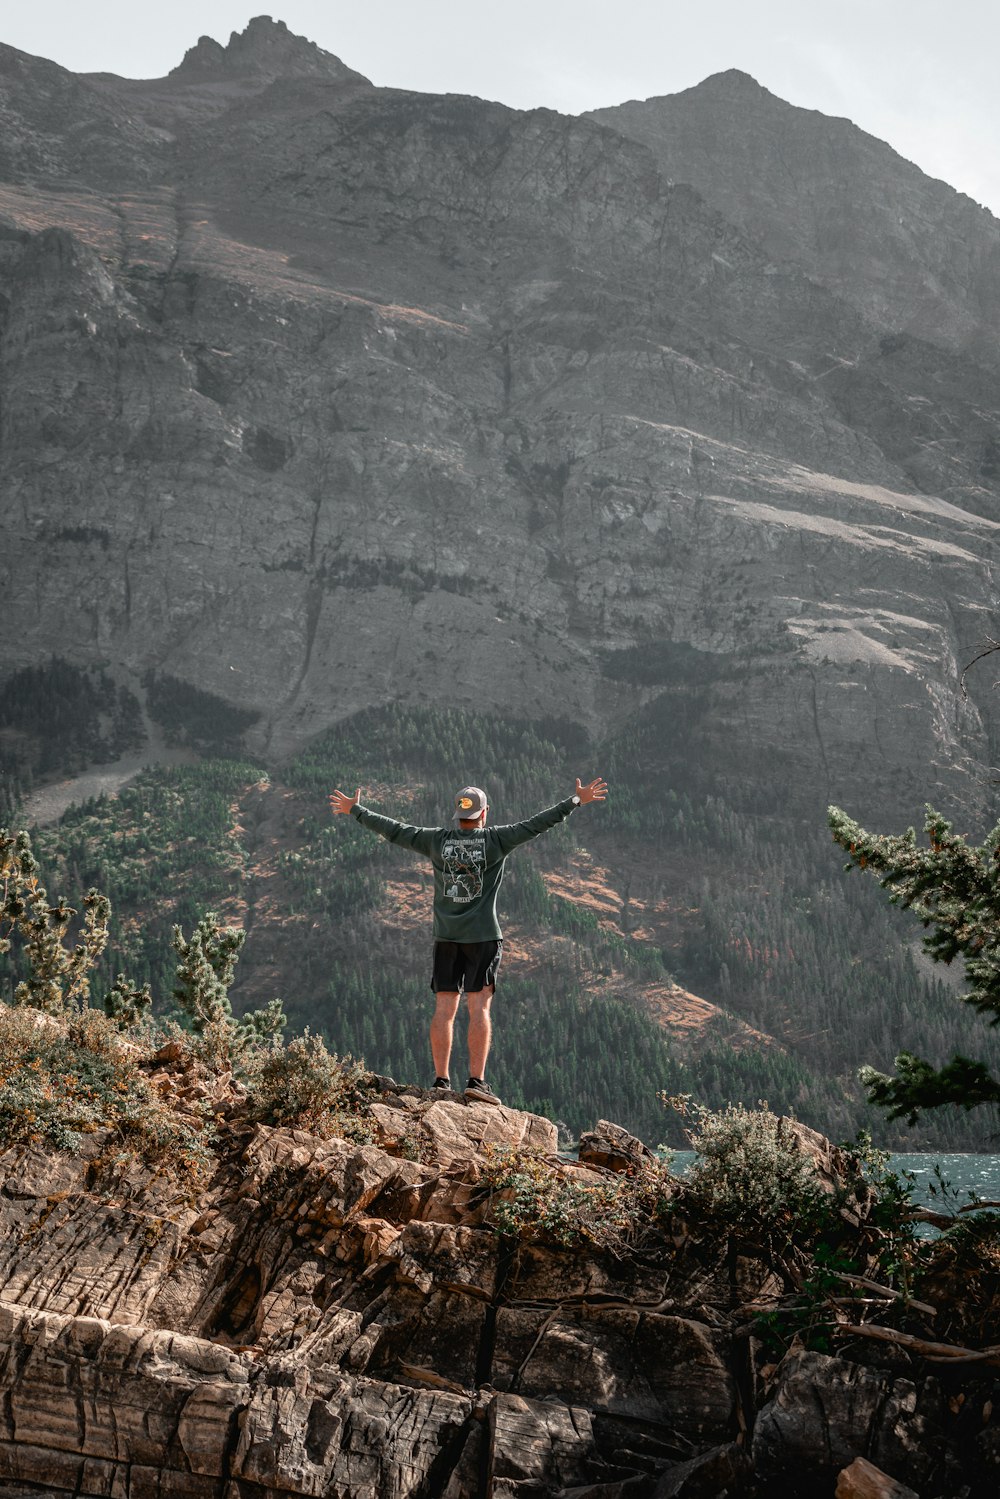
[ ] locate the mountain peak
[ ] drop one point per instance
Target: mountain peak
(732, 81)
(267, 50)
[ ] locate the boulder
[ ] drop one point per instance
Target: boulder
(835, 1167)
(862, 1480)
(723, 1471)
(613, 1148)
(827, 1411)
(138, 1403)
(449, 1130)
(669, 1370)
(536, 1447)
(342, 1437)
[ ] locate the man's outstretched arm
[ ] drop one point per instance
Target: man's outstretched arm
(421, 840)
(515, 833)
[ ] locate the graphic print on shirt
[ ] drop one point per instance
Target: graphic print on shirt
(464, 863)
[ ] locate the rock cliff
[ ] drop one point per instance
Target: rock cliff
(319, 396)
(341, 1318)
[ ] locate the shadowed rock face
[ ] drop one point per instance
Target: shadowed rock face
(379, 396)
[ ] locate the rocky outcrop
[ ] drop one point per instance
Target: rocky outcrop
(332, 1318)
(263, 51)
(338, 1318)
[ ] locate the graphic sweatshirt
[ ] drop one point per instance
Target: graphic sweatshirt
(468, 867)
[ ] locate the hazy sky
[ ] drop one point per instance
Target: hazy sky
(921, 74)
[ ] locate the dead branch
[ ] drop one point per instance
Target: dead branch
(939, 1353)
(991, 647)
(948, 1220)
(431, 1378)
(886, 1292)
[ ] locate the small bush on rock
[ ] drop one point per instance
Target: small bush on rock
(61, 1081)
(303, 1084)
(750, 1169)
(530, 1198)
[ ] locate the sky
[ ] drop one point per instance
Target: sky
(920, 74)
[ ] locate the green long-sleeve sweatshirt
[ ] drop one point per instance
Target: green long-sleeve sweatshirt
(468, 867)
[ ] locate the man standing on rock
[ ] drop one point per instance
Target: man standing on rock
(468, 865)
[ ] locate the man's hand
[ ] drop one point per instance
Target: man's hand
(341, 802)
(595, 792)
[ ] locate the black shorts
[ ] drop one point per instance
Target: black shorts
(465, 965)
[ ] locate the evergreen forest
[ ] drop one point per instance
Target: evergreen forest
(667, 888)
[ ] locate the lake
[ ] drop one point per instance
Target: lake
(964, 1173)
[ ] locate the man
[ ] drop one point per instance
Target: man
(468, 866)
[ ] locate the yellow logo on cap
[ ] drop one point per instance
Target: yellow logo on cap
(465, 801)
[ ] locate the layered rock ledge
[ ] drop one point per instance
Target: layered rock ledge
(341, 1318)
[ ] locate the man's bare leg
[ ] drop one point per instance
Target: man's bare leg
(442, 1030)
(480, 1031)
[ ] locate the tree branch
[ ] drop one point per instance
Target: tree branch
(991, 647)
(937, 1352)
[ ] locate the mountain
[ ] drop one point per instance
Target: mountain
(917, 259)
(441, 372)
(676, 424)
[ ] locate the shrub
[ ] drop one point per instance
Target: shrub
(303, 1084)
(61, 1081)
(127, 1005)
(532, 1199)
(750, 1169)
(205, 968)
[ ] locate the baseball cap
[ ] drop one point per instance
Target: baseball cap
(469, 802)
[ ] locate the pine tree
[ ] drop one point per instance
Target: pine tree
(207, 963)
(954, 889)
(58, 973)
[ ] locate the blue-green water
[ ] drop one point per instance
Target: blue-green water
(964, 1173)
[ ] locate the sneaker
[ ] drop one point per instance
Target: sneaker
(476, 1091)
(443, 1084)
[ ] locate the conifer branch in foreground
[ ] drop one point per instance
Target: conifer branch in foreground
(954, 889)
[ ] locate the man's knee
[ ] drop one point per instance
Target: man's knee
(446, 1004)
(479, 1001)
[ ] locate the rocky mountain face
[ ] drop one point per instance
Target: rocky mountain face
(917, 259)
(318, 396)
(344, 1319)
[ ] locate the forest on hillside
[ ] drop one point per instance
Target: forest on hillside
(809, 957)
